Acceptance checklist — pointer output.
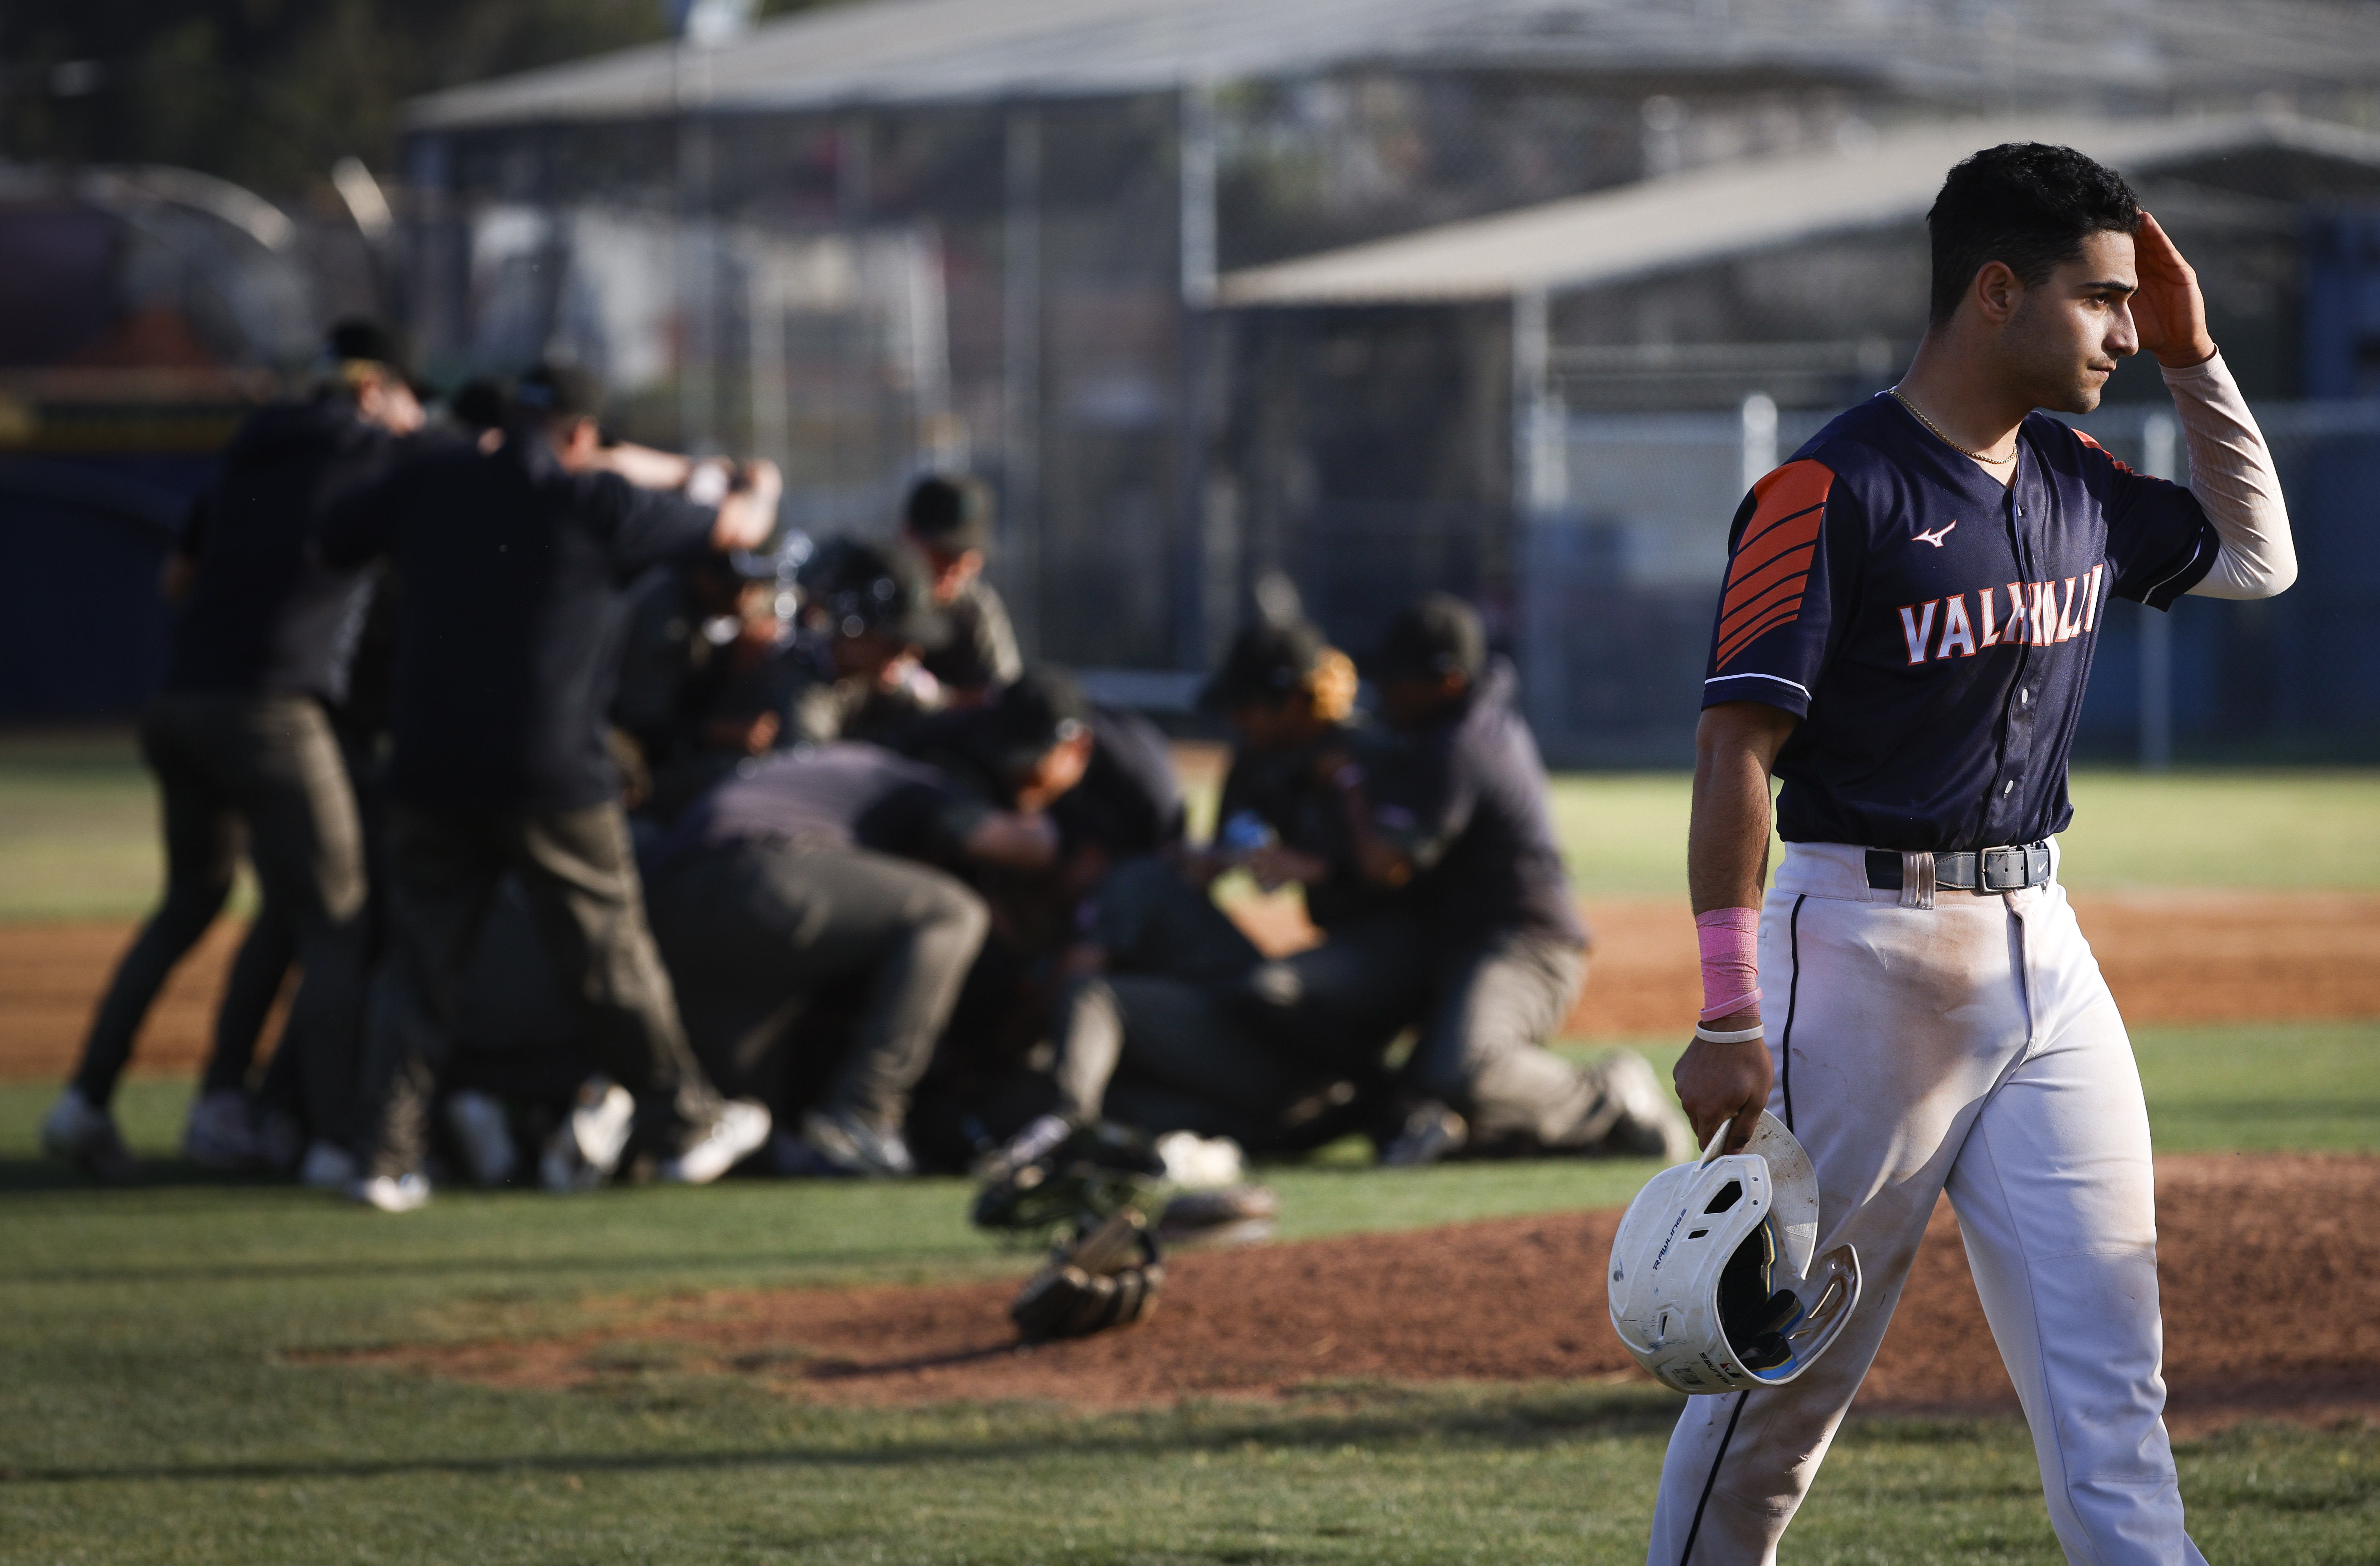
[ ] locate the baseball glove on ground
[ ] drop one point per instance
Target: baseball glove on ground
(1107, 1278)
(1096, 1170)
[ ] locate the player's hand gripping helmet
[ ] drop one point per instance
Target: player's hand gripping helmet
(1712, 1287)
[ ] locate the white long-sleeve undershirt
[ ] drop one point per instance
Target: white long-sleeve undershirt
(2231, 473)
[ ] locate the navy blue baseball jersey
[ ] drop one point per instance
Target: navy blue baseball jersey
(1932, 629)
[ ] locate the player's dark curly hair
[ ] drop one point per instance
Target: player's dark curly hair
(2023, 204)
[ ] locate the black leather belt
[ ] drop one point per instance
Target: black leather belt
(1978, 870)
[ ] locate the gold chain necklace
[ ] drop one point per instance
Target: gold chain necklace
(1920, 414)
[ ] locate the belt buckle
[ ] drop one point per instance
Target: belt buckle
(2019, 876)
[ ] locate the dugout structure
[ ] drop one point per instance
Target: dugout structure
(1011, 235)
(1660, 346)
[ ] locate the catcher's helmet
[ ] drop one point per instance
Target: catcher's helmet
(1712, 1284)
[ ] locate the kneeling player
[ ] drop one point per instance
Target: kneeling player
(826, 866)
(1456, 811)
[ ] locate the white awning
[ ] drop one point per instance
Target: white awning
(927, 51)
(1737, 209)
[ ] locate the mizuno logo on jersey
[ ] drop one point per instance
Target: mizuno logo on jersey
(1936, 536)
(2039, 614)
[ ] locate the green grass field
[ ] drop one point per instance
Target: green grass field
(78, 830)
(158, 1404)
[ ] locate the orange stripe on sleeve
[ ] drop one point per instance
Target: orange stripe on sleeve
(2121, 466)
(1791, 567)
(1784, 614)
(1771, 564)
(1786, 535)
(1787, 492)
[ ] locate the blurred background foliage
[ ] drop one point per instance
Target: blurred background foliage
(269, 94)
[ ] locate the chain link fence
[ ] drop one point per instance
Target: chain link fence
(1617, 593)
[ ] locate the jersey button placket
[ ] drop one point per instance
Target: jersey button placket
(2016, 744)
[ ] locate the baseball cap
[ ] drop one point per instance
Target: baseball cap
(859, 587)
(360, 339)
(948, 514)
(1431, 637)
(1043, 707)
(356, 337)
(559, 390)
(1266, 662)
(481, 403)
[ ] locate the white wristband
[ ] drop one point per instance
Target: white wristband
(1739, 1036)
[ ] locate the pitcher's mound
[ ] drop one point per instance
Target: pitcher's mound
(2271, 1286)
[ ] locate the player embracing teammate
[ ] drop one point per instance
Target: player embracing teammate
(1904, 633)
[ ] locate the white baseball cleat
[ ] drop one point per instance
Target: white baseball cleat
(392, 1193)
(585, 1147)
(740, 1130)
(851, 1146)
(1650, 1125)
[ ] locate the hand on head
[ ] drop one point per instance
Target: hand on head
(2168, 311)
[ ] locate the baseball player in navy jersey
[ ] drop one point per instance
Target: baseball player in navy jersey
(1907, 623)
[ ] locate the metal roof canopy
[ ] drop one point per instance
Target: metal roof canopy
(924, 51)
(1736, 209)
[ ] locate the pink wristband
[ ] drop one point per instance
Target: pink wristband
(1730, 943)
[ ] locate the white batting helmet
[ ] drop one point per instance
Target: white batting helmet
(1712, 1286)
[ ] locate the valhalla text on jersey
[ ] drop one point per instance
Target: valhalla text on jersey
(2039, 613)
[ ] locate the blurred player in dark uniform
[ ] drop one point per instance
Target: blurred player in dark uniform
(1029, 750)
(680, 619)
(242, 746)
(868, 620)
(1291, 698)
(828, 865)
(1455, 810)
(513, 556)
(947, 523)
(1153, 1029)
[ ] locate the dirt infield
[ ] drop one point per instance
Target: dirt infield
(2272, 1310)
(2171, 958)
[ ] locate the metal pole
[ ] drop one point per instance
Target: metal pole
(764, 319)
(1192, 609)
(2156, 628)
(697, 265)
(859, 414)
(1759, 438)
(1540, 491)
(1021, 374)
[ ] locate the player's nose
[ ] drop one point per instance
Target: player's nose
(2123, 334)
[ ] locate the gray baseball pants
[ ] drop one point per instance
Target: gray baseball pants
(754, 929)
(1483, 1050)
(579, 875)
(267, 768)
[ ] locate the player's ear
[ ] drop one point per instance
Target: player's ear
(1998, 291)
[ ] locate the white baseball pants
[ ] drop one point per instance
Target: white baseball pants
(1973, 1047)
